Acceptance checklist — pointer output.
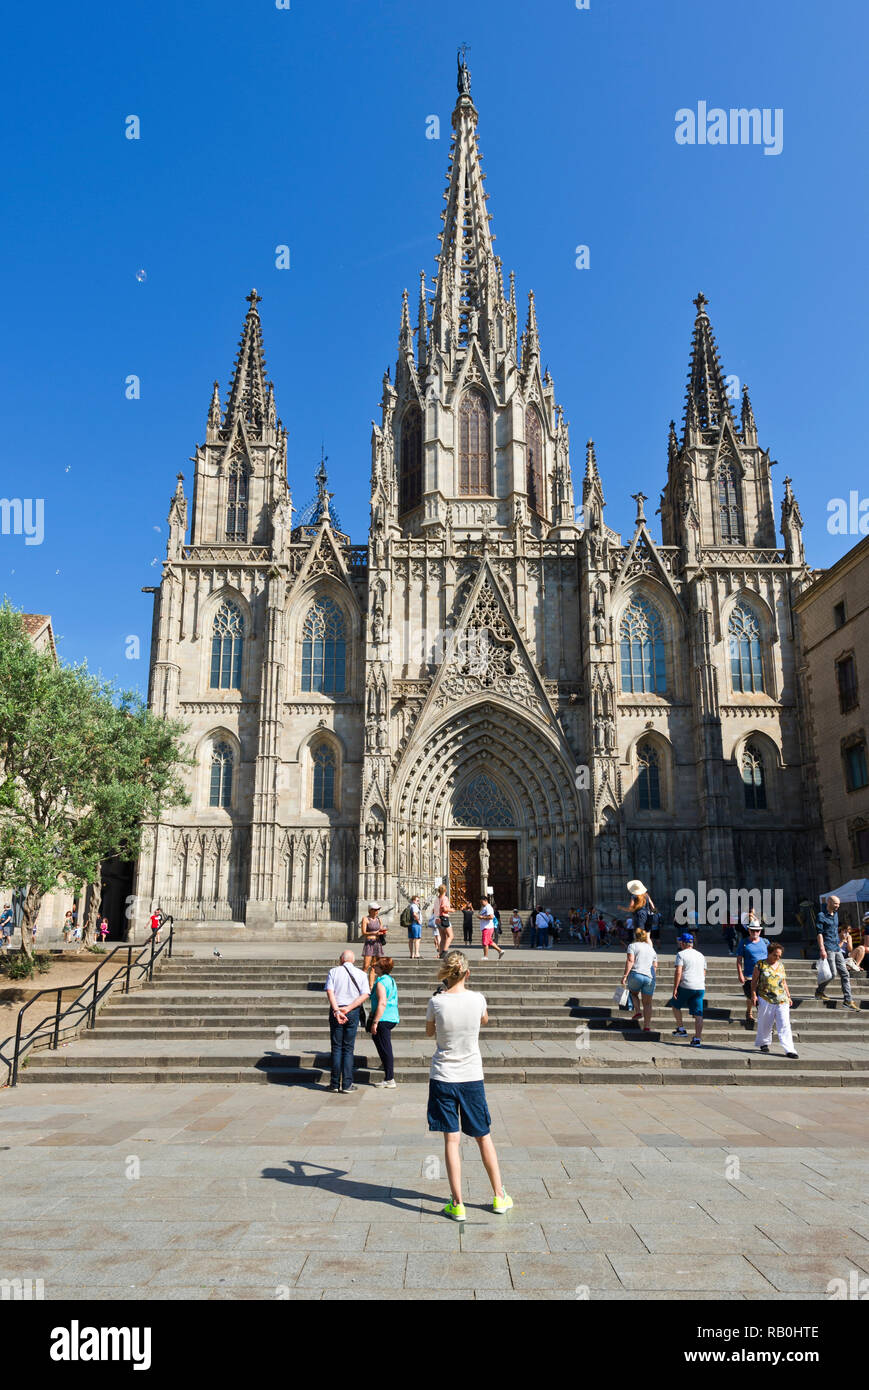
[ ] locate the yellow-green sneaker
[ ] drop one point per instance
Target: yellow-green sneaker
(502, 1204)
(456, 1210)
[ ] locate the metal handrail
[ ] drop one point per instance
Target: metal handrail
(152, 951)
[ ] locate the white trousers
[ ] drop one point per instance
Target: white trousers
(777, 1015)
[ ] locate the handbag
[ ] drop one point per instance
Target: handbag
(363, 1017)
(824, 969)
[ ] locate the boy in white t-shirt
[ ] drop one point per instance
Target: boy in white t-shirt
(689, 987)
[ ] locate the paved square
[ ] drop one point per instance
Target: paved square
(287, 1192)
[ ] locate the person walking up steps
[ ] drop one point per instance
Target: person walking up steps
(828, 945)
(749, 954)
(689, 987)
(446, 929)
(515, 928)
(773, 999)
(411, 920)
(468, 925)
(373, 936)
(487, 929)
(456, 1093)
(384, 1002)
(641, 963)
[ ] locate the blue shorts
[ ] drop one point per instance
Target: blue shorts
(690, 999)
(451, 1103)
(414, 932)
(640, 984)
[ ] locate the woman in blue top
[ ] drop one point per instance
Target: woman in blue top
(384, 999)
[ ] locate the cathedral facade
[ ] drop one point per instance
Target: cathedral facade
(497, 689)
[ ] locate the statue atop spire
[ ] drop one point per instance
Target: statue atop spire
(324, 497)
(463, 81)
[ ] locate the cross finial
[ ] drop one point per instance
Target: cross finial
(640, 498)
(254, 299)
(701, 301)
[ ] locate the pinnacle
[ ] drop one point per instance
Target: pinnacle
(707, 401)
(247, 392)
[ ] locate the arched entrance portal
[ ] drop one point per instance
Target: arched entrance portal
(488, 781)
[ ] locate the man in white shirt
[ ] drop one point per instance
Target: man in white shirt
(689, 987)
(541, 922)
(347, 989)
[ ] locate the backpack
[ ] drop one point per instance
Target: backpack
(406, 918)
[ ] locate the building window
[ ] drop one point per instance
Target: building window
(410, 482)
(648, 778)
(729, 507)
(481, 802)
(324, 649)
(839, 614)
(324, 778)
(753, 779)
(861, 844)
(535, 473)
(746, 666)
(226, 647)
(641, 635)
(846, 680)
(221, 776)
(236, 510)
(856, 772)
(475, 451)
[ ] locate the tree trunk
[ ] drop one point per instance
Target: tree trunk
(29, 915)
(93, 899)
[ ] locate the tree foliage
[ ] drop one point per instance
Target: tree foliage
(82, 764)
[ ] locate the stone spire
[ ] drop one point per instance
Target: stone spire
(792, 527)
(214, 413)
(405, 332)
(467, 285)
(706, 401)
(422, 326)
(247, 391)
(749, 428)
(531, 337)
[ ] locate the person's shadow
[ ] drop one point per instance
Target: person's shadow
(335, 1180)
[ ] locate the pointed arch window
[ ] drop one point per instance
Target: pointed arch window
(648, 778)
(325, 764)
(753, 778)
(535, 473)
(236, 509)
(746, 663)
(324, 649)
(227, 643)
(475, 446)
(220, 791)
(643, 661)
(729, 505)
(481, 802)
(410, 477)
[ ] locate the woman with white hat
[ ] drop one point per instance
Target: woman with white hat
(641, 907)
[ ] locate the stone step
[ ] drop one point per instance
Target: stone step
(793, 1076)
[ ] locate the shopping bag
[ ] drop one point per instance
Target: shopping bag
(824, 970)
(622, 998)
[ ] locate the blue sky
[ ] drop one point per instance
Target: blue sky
(307, 127)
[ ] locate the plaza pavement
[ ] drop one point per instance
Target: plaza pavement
(274, 1192)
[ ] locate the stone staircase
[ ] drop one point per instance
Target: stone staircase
(551, 1020)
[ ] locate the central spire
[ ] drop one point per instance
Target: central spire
(248, 391)
(707, 401)
(468, 284)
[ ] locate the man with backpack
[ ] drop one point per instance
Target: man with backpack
(411, 920)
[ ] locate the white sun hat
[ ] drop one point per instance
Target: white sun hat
(636, 887)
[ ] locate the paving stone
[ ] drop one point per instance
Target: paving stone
(471, 1270)
(507, 1235)
(326, 1270)
(571, 1272)
(690, 1273)
(586, 1237)
(809, 1275)
(726, 1240)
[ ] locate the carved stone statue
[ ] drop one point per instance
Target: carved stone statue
(484, 858)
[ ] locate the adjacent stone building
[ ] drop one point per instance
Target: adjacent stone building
(834, 621)
(497, 686)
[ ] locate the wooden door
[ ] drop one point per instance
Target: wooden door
(465, 874)
(504, 873)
